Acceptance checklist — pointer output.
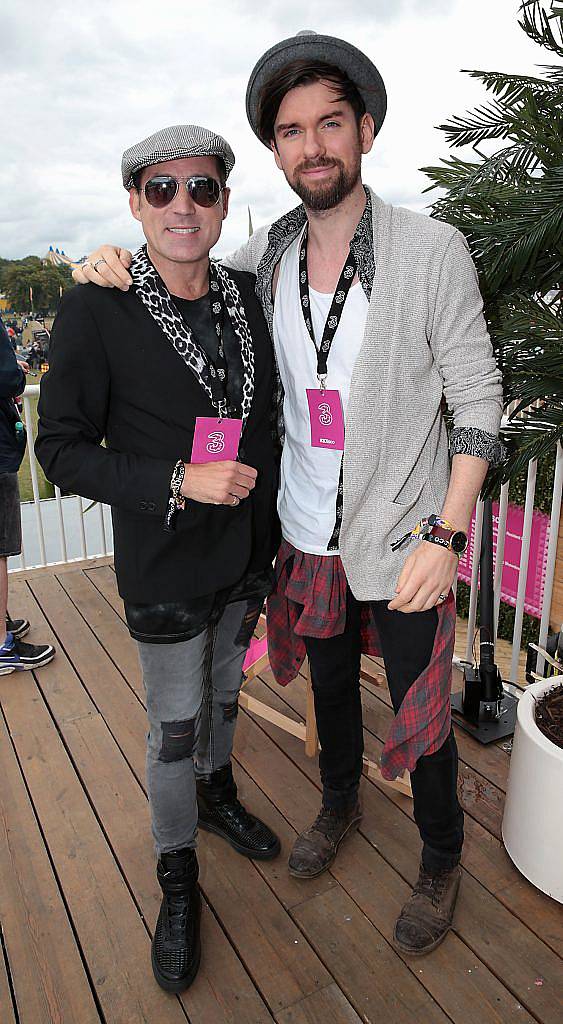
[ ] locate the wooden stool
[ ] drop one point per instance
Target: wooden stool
(256, 661)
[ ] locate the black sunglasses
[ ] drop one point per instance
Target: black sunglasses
(162, 189)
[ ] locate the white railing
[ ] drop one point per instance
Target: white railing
(60, 529)
(74, 535)
(524, 563)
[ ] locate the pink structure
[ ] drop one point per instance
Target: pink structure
(512, 549)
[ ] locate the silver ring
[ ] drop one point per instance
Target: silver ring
(235, 501)
(95, 265)
(86, 263)
(442, 597)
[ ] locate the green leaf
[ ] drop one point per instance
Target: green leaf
(509, 205)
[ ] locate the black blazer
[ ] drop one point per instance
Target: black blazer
(113, 374)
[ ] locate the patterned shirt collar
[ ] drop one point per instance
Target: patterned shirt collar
(362, 247)
(286, 229)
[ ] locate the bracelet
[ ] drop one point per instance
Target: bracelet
(176, 482)
(423, 531)
(176, 501)
(433, 539)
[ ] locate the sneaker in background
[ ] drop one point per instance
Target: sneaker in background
(17, 627)
(16, 656)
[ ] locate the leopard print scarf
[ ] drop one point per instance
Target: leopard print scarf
(153, 293)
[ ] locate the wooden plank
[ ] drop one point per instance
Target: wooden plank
(400, 785)
(59, 567)
(119, 705)
(364, 966)
(122, 809)
(7, 1011)
(395, 836)
(114, 941)
(327, 1005)
(262, 710)
(108, 628)
(47, 974)
(289, 890)
(281, 961)
(106, 582)
(456, 977)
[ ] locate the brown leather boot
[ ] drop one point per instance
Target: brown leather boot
(316, 848)
(427, 915)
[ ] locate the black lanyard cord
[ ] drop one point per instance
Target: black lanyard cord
(336, 308)
(218, 369)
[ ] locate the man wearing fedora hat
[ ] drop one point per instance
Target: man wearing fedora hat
(377, 322)
(176, 377)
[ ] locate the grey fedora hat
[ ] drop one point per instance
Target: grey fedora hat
(312, 46)
(174, 143)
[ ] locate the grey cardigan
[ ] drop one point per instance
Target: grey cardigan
(425, 337)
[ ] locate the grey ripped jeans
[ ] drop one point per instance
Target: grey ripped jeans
(192, 692)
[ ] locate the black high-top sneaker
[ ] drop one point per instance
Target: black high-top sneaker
(176, 947)
(17, 627)
(221, 812)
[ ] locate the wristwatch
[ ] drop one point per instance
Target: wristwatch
(446, 536)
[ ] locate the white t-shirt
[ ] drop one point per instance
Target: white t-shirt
(309, 476)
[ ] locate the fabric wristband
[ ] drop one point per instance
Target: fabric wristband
(176, 501)
(423, 531)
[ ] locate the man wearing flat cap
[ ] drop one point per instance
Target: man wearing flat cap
(376, 319)
(176, 377)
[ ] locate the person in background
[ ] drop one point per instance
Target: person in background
(15, 656)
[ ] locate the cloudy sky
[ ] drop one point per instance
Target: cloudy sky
(80, 82)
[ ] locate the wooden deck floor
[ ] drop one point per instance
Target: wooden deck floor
(78, 893)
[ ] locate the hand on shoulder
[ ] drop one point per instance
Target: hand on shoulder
(107, 267)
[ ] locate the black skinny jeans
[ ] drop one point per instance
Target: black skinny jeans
(407, 642)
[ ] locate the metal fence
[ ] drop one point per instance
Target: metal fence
(69, 516)
(524, 562)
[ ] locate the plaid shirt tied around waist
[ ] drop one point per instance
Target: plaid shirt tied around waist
(309, 599)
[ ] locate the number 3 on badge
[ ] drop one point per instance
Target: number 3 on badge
(216, 439)
(216, 442)
(325, 414)
(326, 419)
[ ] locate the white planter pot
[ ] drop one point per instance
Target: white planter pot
(532, 826)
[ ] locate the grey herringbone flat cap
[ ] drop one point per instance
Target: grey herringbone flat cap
(311, 46)
(174, 143)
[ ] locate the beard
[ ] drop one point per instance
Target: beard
(326, 196)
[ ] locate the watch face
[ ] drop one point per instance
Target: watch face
(458, 542)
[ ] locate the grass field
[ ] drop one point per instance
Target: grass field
(46, 490)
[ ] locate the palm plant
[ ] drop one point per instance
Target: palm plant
(509, 205)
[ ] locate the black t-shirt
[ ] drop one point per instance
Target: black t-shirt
(197, 314)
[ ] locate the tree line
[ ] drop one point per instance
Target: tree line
(45, 280)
